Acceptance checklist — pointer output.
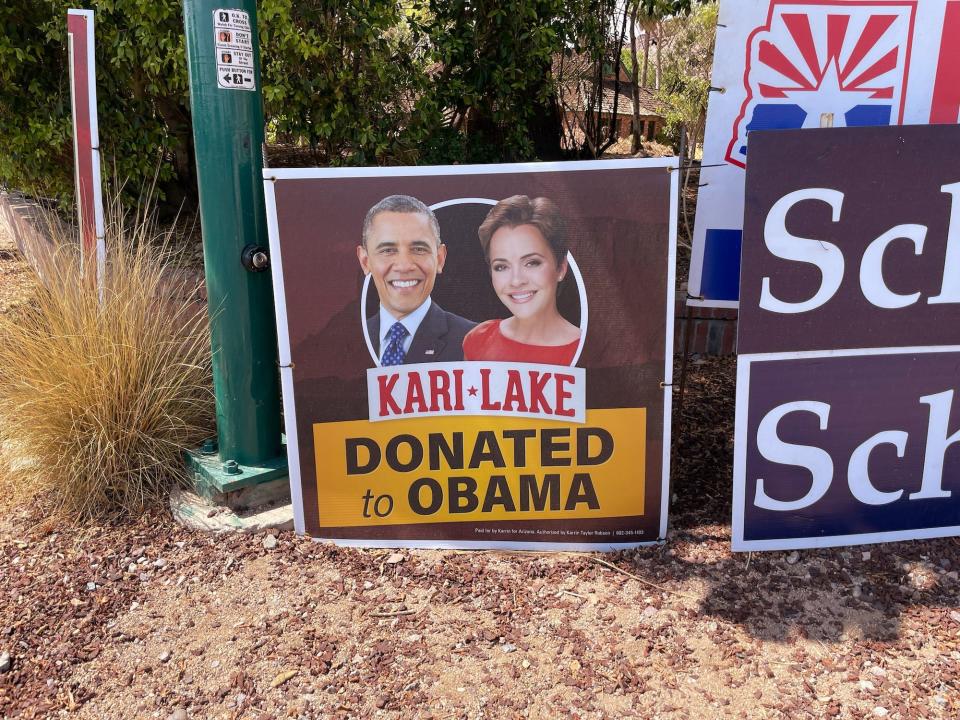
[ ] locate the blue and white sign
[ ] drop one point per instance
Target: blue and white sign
(788, 64)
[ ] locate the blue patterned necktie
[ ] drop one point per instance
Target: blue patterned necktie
(394, 354)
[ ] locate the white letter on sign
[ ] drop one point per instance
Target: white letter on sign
(871, 267)
(950, 290)
(826, 256)
(858, 475)
(937, 443)
(814, 459)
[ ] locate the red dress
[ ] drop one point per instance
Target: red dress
(486, 342)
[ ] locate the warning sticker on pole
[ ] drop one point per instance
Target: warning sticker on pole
(233, 42)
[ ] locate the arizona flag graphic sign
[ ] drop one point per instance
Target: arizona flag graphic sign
(787, 65)
(851, 65)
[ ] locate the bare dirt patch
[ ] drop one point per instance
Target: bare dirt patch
(16, 279)
(150, 620)
(180, 624)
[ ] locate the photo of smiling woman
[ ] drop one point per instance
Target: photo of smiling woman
(524, 243)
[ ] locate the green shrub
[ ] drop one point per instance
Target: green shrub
(495, 62)
(141, 83)
(359, 81)
(342, 77)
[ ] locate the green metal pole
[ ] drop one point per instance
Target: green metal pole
(228, 132)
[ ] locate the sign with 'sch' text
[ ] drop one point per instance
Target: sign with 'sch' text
(848, 415)
(477, 356)
(790, 64)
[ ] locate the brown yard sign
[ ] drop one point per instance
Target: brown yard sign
(477, 356)
(848, 426)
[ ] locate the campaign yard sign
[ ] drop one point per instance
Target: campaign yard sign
(477, 356)
(811, 64)
(848, 420)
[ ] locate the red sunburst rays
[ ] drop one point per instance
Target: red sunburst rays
(798, 26)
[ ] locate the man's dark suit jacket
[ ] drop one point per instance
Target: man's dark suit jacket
(438, 339)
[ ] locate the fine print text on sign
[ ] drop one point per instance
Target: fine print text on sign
(233, 44)
(477, 356)
(848, 420)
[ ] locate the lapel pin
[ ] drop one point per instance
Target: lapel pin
(428, 352)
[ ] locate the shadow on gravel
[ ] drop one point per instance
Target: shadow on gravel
(826, 595)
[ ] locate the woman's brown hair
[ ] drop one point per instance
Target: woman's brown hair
(517, 210)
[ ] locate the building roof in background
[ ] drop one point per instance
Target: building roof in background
(649, 104)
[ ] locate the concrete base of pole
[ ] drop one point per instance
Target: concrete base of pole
(213, 476)
(262, 507)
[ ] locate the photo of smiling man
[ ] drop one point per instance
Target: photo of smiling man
(402, 251)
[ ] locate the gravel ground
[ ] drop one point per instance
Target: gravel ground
(15, 277)
(150, 620)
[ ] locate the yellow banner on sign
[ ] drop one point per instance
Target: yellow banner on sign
(480, 468)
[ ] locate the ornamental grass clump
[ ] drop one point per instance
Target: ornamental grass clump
(101, 391)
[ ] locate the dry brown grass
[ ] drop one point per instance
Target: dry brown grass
(98, 398)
